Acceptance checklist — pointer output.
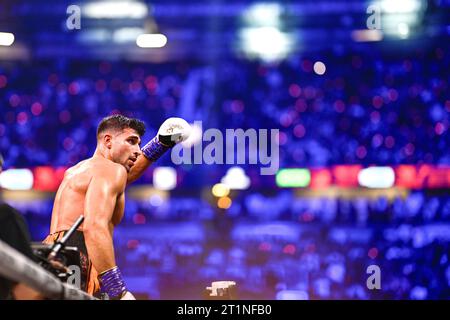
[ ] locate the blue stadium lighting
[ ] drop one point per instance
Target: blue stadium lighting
(115, 10)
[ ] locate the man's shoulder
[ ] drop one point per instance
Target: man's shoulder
(110, 167)
(111, 171)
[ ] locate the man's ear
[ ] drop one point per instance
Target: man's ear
(107, 140)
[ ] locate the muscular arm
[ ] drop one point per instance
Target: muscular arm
(100, 202)
(141, 164)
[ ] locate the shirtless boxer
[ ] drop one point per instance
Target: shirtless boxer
(95, 188)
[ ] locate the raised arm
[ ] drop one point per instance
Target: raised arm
(141, 164)
(171, 132)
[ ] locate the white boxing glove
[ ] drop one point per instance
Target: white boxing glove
(171, 132)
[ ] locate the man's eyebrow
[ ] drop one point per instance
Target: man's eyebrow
(134, 137)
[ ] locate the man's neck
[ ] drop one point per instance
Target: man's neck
(102, 153)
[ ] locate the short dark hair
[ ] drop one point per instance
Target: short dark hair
(119, 122)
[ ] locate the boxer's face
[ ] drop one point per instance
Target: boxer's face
(125, 147)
